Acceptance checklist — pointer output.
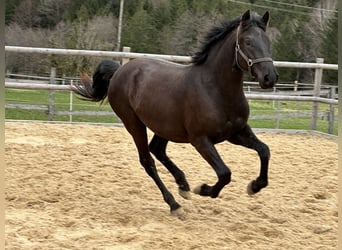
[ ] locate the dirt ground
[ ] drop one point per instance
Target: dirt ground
(81, 187)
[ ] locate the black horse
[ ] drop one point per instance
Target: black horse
(202, 103)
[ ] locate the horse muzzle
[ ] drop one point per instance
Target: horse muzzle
(267, 79)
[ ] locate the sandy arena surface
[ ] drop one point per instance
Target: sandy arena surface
(81, 187)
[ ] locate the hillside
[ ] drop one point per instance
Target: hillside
(300, 30)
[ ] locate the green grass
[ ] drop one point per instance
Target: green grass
(62, 99)
(290, 107)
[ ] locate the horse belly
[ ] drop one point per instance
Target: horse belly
(166, 122)
(159, 106)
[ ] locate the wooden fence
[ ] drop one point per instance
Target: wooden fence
(126, 55)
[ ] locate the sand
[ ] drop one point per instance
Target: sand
(81, 187)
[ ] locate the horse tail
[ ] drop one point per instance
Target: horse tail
(96, 89)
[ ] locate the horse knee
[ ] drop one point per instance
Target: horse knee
(148, 164)
(145, 159)
(264, 151)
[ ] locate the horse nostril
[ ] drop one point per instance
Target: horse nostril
(266, 78)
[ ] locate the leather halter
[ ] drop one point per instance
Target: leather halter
(250, 62)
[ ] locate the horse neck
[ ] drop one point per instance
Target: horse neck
(221, 64)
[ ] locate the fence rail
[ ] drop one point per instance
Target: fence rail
(272, 96)
(131, 55)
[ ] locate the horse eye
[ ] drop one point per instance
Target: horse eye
(248, 42)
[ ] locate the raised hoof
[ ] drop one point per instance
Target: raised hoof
(250, 189)
(185, 194)
(179, 213)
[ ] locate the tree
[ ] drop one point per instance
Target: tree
(329, 49)
(51, 12)
(26, 14)
(284, 49)
(161, 15)
(88, 9)
(178, 7)
(23, 62)
(98, 33)
(11, 6)
(140, 33)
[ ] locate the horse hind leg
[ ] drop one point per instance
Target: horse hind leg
(247, 138)
(138, 131)
(157, 147)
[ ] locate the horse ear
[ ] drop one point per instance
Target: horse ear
(246, 16)
(266, 18)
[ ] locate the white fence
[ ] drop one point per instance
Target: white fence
(319, 66)
(185, 59)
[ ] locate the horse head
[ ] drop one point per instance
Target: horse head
(252, 49)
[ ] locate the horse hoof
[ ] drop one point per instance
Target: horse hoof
(197, 190)
(250, 189)
(185, 194)
(179, 213)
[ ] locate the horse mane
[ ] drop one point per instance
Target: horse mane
(219, 32)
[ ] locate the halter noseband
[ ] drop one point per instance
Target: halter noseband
(250, 62)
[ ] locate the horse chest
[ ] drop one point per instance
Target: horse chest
(235, 124)
(228, 129)
(232, 126)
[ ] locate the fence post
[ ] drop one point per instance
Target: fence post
(317, 87)
(295, 86)
(51, 110)
(278, 115)
(71, 102)
(124, 59)
(332, 111)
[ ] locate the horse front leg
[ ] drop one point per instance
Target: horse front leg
(208, 151)
(248, 139)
